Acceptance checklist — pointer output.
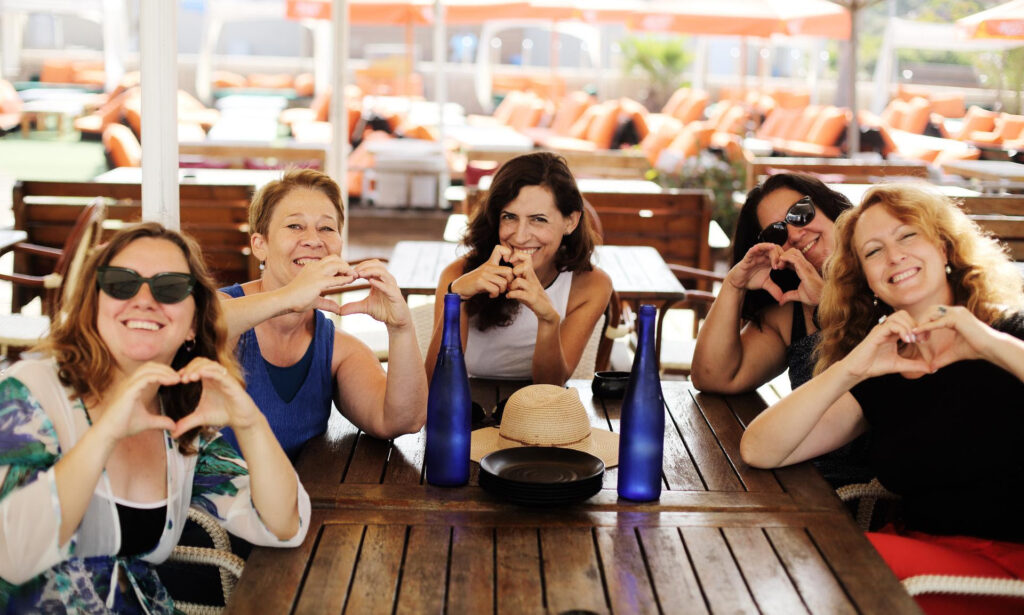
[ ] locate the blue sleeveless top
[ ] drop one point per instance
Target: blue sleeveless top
(304, 417)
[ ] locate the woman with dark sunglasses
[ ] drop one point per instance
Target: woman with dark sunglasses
(109, 434)
(922, 320)
(296, 362)
(763, 320)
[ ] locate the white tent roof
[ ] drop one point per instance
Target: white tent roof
(906, 34)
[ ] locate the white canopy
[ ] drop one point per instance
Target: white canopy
(906, 34)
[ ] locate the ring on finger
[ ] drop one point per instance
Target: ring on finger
(882, 318)
(942, 310)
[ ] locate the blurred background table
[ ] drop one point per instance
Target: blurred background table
(723, 538)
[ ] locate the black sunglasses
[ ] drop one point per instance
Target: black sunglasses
(121, 283)
(799, 214)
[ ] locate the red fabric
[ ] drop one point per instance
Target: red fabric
(914, 553)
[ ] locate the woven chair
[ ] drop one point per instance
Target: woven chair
(867, 495)
(220, 555)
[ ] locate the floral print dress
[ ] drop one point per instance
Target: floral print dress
(39, 421)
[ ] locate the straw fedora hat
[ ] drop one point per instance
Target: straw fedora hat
(546, 415)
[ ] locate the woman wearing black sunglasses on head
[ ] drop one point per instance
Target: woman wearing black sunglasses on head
(109, 435)
(763, 320)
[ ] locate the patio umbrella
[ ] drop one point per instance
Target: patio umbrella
(1003, 21)
(761, 18)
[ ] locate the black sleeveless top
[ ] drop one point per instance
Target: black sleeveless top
(845, 465)
(141, 528)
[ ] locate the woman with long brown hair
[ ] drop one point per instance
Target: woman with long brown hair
(531, 294)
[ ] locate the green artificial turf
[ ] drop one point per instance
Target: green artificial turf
(45, 155)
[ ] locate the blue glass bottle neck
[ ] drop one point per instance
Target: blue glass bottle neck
(645, 327)
(451, 337)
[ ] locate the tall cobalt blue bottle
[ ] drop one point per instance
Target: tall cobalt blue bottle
(449, 406)
(642, 427)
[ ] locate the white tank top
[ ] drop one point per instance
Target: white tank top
(507, 352)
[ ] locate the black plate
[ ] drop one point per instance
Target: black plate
(542, 465)
(539, 494)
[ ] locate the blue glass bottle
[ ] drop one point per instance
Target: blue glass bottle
(449, 406)
(642, 426)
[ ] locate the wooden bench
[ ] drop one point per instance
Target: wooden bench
(215, 215)
(621, 164)
(1003, 216)
(853, 171)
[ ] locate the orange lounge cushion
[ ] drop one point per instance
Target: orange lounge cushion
(915, 119)
(123, 147)
(601, 129)
(304, 85)
(660, 138)
(828, 126)
(692, 108)
(227, 79)
(977, 120)
(276, 81)
(570, 108)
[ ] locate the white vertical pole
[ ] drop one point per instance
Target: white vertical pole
(158, 42)
(440, 93)
(115, 38)
(337, 154)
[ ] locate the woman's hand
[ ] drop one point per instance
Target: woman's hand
(527, 289)
(325, 276)
(385, 302)
(491, 277)
(224, 402)
(970, 340)
(754, 271)
(122, 412)
(811, 282)
(879, 353)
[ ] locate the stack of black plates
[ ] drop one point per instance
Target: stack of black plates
(541, 475)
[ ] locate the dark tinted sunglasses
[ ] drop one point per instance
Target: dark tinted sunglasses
(121, 283)
(799, 214)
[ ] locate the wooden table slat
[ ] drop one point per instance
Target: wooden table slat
(727, 432)
(714, 466)
(717, 572)
(471, 585)
(674, 579)
(765, 575)
(519, 590)
(327, 583)
(819, 589)
(572, 578)
(405, 465)
(375, 584)
(624, 571)
(425, 570)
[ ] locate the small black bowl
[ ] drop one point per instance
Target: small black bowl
(610, 385)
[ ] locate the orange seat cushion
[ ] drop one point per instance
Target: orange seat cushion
(659, 139)
(601, 129)
(797, 131)
(123, 147)
(675, 100)
(570, 108)
(227, 79)
(977, 120)
(827, 128)
(915, 120)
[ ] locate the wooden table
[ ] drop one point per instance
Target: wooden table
(204, 177)
(990, 170)
(237, 152)
(723, 538)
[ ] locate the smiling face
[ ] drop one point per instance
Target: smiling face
(903, 267)
(532, 224)
(815, 240)
(141, 329)
(303, 228)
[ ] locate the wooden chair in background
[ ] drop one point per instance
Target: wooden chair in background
(22, 330)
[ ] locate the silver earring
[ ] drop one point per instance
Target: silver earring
(262, 266)
(189, 346)
(874, 300)
(949, 269)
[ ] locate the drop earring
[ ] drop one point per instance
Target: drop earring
(949, 269)
(189, 346)
(874, 300)
(262, 266)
